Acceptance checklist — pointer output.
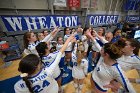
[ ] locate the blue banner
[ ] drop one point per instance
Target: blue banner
(133, 18)
(132, 5)
(19, 23)
(102, 19)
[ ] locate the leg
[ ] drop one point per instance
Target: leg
(75, 85)
(80, 85)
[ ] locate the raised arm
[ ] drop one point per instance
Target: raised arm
(52, 66)
(94, 41)
(51, 35)
(101, 38)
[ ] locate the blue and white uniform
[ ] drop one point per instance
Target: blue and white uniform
(104, 74)
(130, 62)
(48, 60)
(58, 47)
(62, 61)
(69, 47)
(79, 70)
(32, 46)
(66, 37)
(85, 41)
(42, 82)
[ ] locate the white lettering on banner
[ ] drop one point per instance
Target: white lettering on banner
(67, 22)
(96, 20)
(107, 20)
(100, 19)
(60, 19)
(31, 25)
(74, 20)
(90, 20)
(52, 23)
(103, 22)
(42, 21)
(14, 21)
(134, 18)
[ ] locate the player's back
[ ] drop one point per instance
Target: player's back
(41, 83)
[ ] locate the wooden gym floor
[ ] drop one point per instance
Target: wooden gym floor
(11, 71)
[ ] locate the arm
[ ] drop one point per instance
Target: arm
(124, 80)
(57, 60)
(101, 38)
(51, 35)
(85, 63)
(94, 41)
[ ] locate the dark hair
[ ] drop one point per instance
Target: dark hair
(41, 48)
(115, 30)
(26, 36)
(85, 29)
(44, 31)
(65, 29)
(121, 43)
(59, 37)
(53, 49)
(103, 31)
(28, 65)
(134, 43)
(112, 50)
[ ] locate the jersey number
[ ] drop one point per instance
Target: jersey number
(39, 88)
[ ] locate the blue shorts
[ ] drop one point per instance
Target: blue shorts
(62, 62)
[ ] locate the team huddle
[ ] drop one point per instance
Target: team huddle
(112, 55)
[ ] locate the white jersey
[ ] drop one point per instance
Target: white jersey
(69, 47)
(103, 74)
(79, 71)
(85, 41)
(58, 47)
(42, 82)
(129, 62)
(66, 37)
(49, 59)
(32, 46)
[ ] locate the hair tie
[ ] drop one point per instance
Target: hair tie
(24, 75)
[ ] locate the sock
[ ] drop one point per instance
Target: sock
(80, 86)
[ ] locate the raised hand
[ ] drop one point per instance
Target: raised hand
(95, 32)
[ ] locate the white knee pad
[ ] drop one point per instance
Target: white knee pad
(75, 85)
(80, 86)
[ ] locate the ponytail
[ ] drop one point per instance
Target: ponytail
(41, 47)
(28, 66)
(28, 84)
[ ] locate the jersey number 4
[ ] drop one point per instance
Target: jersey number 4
(39, 88)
